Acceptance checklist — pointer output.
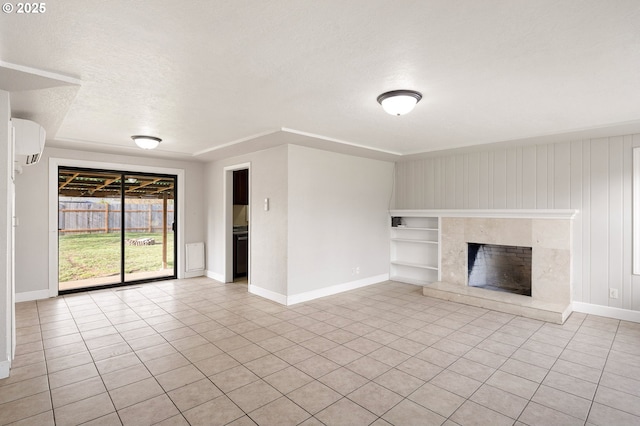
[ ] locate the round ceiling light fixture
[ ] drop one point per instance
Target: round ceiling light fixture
(399, 102)
(146, 142)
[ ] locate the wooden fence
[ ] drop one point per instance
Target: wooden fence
(91, 217)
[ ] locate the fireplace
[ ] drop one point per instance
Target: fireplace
(499, 268)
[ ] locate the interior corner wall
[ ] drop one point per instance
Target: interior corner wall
(32, 209)
(267, 229)
(6, 255)
(593, 176)
(338, 220)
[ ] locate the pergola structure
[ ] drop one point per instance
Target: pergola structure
(112, 184)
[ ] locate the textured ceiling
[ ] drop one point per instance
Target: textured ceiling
(216, 78)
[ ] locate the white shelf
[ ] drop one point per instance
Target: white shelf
(414, 265)
(415, 249)
(408, 240)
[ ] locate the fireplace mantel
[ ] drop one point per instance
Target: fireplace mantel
(491, 213)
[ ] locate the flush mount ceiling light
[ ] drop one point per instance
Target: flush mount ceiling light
(146, 142)
(399, 102)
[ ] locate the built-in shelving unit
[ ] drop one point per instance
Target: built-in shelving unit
(415, 248)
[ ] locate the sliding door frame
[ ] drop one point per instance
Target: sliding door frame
(56, 163)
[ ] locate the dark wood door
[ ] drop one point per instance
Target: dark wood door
(241, 187)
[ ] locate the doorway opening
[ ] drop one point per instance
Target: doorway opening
(237, 226)
(115, 228)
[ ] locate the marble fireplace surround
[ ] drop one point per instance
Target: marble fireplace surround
(547, 232)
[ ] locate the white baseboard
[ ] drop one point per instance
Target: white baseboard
(193, 274)
(607, 311)
(215, 276)
(5, 367)
(268, 294)
(28, 296)
(335, 289)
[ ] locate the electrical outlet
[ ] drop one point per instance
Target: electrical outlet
(357, 270)
(613, 293)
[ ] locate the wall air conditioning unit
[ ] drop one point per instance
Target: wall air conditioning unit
(29, 141)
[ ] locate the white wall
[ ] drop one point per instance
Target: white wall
(6, 303)
(593, 176)
(267, 229)
(32, 209)
(338, 219)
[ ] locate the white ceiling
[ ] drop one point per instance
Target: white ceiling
(218, 78)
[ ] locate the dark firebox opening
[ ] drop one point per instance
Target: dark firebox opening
(500, 268)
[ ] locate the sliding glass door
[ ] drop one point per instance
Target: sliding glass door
(95, 249)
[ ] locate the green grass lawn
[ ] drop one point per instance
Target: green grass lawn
(83, 256)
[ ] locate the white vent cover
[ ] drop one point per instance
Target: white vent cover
(194, 254)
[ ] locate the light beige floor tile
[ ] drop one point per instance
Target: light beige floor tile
(72, 375)
(456, 383)
(233, 378)
(28, 359)
(437, 357)
(110, 351)
(23, 408)
(539, 415)
(575, 386)
(603, 415)
(399, 382)
(409, 413)
(471, 369)
(294, 354)
(194, 394)
(288, 379)
(346, 412)
(314, 397)
(116, 363)
(134, 393)
(375, 398)
(23, 389)
(218, 411)
(42, 419)
(178, 377)
(177, 420)
(166, 363)
(498, 400)
(437, 399)
(472, 414)
(254, 395)
(562, 401)
(317, 366)
(524, 370)
(125, 376)
(216, 364)
(368, 367)
(576, 370)
(618, 400)
(148, 412)
(201, 352)
(154, 352)
(111, 419)
(84, 410)
(363, 345)
(266, 365)
(77, 391)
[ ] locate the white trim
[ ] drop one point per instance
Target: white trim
(492, 213)
(54, 163)
(335, 289)
(215, 276)
(636, 211)
(340, 141)
(28, 296)
(607, 311)
(5, 366)
(267, 294)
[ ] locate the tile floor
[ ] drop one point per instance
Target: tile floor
(203, 353)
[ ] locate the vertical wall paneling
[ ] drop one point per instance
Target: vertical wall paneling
(586, 220)
(594, 177)
(510, 177)
(529, 177)
(484, 181)
(562, 176)
(616, 218)
(627, 222)
(579, 222)
(450, 182)
(541, 177)
(599, 208)
(635, 278)
(473, 192)
(499, 179)
(459, 191)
